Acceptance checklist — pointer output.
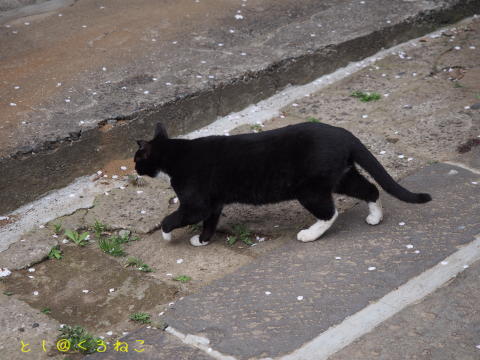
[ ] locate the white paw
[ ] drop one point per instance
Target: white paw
(376, 213)
(306, 236)
(373, 219)
(316, 230)
(195, 241)
(166, 236)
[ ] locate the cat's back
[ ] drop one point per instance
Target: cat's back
(316, 131)
(299, 136)
(291, 143)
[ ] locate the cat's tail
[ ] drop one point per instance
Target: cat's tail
(363, 157)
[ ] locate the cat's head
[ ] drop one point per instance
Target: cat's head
(148, 158)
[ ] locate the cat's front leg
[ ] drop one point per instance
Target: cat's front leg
(209, 226)
(182, 217)
(167, 236)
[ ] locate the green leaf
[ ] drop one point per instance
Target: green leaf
(55, 253)
(366, 97)
(247, 241)
(83, 236)
(70, 235)
(231, 240)
(140, 317)
(183, 279)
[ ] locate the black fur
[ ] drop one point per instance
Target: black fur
(307, 162)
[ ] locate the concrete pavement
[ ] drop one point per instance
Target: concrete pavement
(443, 326)
(81, 83)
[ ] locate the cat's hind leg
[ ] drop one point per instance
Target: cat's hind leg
(356, 185)
(321, 205)
(209, 226)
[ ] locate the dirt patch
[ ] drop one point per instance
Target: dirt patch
(78, 290)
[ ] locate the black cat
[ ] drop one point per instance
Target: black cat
(307, 162)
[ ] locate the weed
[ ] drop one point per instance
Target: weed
(240, 232)
(57, 229)
(313, 120)
(256, 127)
(194, 228)
(78, 335)
(133, 238)
(121, 239)
(55, 253)
(183, 278)
(366, 96)
(477, 96)
(141, 317)
(99, 228)
(125, 238)
(111, 246)
(457, 85)
(46, 310)
(7, 293)
(231, 240)
(139, 264)
(79, 239)
(136, 180)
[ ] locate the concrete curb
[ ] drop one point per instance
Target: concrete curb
(34, 170)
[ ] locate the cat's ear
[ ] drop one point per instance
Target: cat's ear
(142, 144)
(160, 131)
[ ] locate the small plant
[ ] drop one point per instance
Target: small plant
(183, 279)
(136, 180)
(366, 96)
(141, 317)
(77, 335)
(111, 246)
(124, 238)
(99, 228)
(55, 253)
(313, 120)
(194, 228)
(121, 239)
(57, 229)
(240, 232)
(46, 310)
(7, 293)
(456, 84)
(256, 127)
(477, 96)
(79, 239)
(139, 264)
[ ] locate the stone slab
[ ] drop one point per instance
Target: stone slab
(445, 325)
